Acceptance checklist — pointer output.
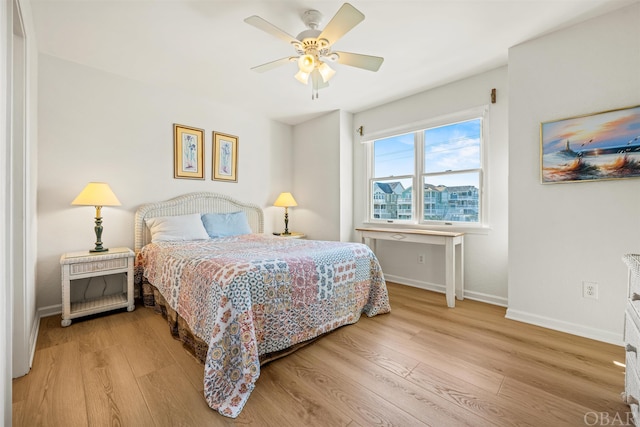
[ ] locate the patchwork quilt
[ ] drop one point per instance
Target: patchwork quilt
(253, 294)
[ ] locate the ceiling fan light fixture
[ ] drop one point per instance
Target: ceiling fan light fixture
(314, 46)
(325, 71)
(306, 63)
(302, 77)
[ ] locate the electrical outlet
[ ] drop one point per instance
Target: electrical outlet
(590, 290)
(420, 258)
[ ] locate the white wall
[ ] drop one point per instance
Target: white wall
(322, 174)
(96, 126)
(563, 234)
(485, 253)
(347, 230)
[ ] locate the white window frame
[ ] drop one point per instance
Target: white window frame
(419, 174)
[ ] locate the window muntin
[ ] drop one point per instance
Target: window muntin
(445, 160)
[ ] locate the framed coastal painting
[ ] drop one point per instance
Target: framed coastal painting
(592, 147)
(225, 157)
(188, 152)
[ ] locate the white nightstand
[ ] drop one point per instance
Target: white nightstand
(83, 265)
(292, 235)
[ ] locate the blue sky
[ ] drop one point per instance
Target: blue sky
(451, 147)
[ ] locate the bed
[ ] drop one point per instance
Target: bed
(238, 298)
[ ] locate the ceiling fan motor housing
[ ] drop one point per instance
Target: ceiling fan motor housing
(309, 42)
(312, 19)
(310, 45)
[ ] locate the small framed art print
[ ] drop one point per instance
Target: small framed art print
(225, 157)
(188, 154)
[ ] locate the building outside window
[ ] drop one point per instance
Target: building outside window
(443, 162)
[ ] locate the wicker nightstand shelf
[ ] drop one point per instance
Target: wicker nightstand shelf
(88, 265)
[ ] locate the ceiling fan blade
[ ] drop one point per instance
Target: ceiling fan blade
(268, 27)
(273, 64)
(343, 21)
(368, 62)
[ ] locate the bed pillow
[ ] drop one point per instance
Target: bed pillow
(226, 224)
(173, 228)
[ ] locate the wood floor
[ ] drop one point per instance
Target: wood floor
(422, 364)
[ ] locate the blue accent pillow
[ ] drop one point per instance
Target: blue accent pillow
(226, 224)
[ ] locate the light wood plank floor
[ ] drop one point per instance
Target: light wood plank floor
(422, 364)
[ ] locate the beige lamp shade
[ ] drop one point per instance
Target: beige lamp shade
(285, 200)
(96, 194)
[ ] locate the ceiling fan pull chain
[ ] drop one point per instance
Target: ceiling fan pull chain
(314, 87)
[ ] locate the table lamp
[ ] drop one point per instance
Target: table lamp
(97, 194)
(285, 200)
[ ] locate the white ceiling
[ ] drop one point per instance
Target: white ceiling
(205, 47)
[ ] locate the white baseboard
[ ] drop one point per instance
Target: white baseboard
(51, 310)
(33, 339)
(568, 327)
(517, 315)
(487, 298)
(415, 283)
(476, 296)
(520, 316)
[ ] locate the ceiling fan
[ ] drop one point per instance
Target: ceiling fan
(314, 47)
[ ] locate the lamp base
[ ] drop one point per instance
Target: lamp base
(98, 230)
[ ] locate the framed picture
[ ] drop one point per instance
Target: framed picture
(225, 157)
(188, 152)
(592, 147)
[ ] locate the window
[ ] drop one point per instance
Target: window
(443, 161)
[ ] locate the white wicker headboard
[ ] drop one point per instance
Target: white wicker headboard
(203, 202)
